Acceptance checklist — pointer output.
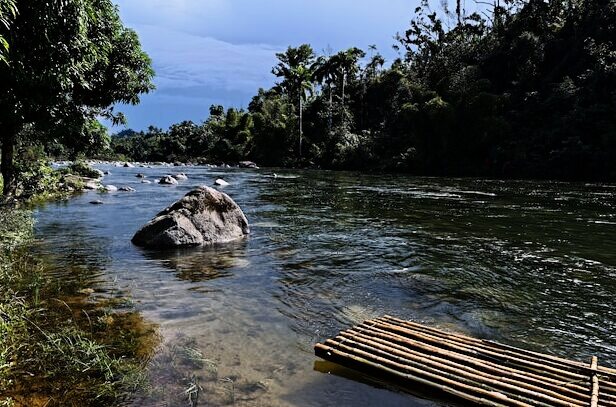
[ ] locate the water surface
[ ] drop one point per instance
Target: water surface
(531, 264)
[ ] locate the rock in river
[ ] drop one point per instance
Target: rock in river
(168, 180)
(221, 182)
(180, 176)
(204, 216)
(126, 189)
(248, 164)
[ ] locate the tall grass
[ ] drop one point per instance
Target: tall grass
(50, 354)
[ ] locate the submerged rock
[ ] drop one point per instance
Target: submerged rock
(109, 188)
(145, 181)
(128, 165)
(168, 180)
(221, 182)
(180, 177)
(140, 175)
(96, 202)
(126, 189)
(202, 217)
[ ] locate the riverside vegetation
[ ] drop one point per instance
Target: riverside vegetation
(518, 89)
(57, 347)
(63, 64)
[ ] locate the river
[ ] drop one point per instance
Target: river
(531, 264)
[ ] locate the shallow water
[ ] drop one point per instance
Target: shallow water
(531, 264)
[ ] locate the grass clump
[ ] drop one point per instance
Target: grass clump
(55, 353)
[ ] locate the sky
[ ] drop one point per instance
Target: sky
(209, 52)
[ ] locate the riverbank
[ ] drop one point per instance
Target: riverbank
(58, 345)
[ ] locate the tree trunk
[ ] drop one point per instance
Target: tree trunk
(343, 86)
(300, 126)
(329, 121)
(7, 167)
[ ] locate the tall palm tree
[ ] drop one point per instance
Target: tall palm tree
(325, 72)
(347, 64)
(302, 77)
(296, 68)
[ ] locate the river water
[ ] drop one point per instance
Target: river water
(531, 264)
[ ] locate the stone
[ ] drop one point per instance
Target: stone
(96, 202)
(140, 175)
(180, 176)
(204, 216)
(109, 188)
(126, 189)
(91, 184)
(128, 165)
(221, 182)
(248, 164)
(168, 180)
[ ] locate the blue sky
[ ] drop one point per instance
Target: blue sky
(221, 51)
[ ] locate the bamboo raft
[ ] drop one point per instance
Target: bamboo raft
(411, 355)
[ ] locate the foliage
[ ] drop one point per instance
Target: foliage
(525, 89)
(69, 62)
(8, 11)
(82, 169)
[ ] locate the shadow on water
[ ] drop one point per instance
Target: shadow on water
(421, 392)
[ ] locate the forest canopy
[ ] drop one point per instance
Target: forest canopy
(519, 89)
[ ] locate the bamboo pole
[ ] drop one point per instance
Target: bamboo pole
(570, 388)
(565, 384)
(453, 360)
(594, 398)
(426, 377)
(490, 346)
(438, 365)
(388, 359)
(482, 352)
(573, 367)
(481, 371)
(579, 366)
(452, 387)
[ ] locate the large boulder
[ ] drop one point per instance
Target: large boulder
(204, 216)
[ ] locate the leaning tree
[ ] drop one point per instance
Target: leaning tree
(69, 61)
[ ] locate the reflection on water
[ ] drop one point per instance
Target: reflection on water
(527, 263)
(202, 264)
